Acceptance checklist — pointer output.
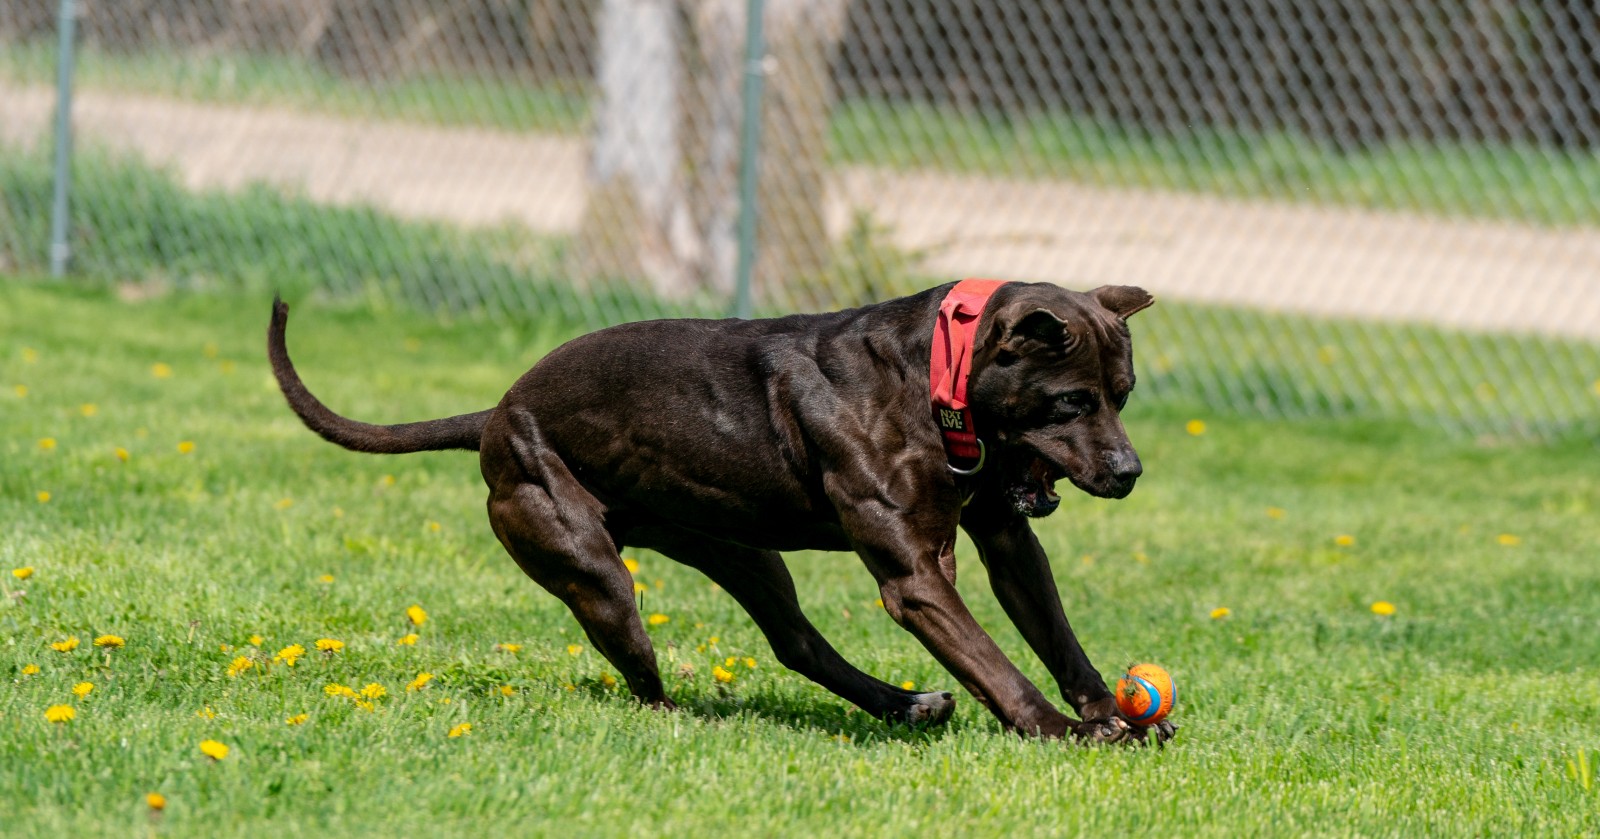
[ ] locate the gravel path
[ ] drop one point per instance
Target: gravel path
(1305, 258)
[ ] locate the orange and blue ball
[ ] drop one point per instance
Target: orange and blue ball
(1146, 694)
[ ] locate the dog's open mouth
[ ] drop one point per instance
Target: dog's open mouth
(1036, 495)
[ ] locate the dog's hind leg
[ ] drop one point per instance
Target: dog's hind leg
(760, 581)
(554, 530)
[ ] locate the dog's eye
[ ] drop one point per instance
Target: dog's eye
(1122, 401)
(1077, 403)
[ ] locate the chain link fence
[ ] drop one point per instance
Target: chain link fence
(1363, 207)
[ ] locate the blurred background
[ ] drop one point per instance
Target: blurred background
(1367, 208)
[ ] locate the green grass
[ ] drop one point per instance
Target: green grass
(1504, 181)
(1479, 180)
(265, 79)
(1466, 713)
(140, 226)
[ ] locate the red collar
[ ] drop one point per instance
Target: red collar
(950, 366)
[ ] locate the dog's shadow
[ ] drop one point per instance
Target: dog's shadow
(825, 715)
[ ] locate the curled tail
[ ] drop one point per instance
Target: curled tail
(459, 432)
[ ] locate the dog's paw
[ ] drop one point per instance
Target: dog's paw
(1106, 731)
(928, 709)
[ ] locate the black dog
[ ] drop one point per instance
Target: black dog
(720, 443)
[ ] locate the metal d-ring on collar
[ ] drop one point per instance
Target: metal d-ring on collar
(982, 454)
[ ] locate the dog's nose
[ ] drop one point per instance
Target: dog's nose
(1126, 468)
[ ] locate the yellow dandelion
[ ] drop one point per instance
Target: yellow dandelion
(290, 654)
(640, 588)
(407, 640)
(658, 619)
(88, 409)
(255, 640)
(298, 719)
(29, 355)
(608, 680)
(721, 675)
(366, 705)
(329, 645)
(22, 573)
(239, 665)
(574, 649)
(1276, 512)
(714, 640)
(336, 689)
(730, 661)
(1383, 607)
(510, 648)
(156, 801)
(213, 749)
(185, 446)
(1195, 427)
(461, 730)
(227, 366)
(325, 578)
(210, 350)
(206, 713)
(749, 662)
(633, 564)
(161, 370)
(82, 689)
(415, 614)
(387, 480)
(908, 685)
(30, 669)
(60, 713)
(435, 526)
(65, 646)
(1509, 540)
(1594, 387)
(1344, 540)
(878, 603)
(507, 690)
(122, 454)
(283, 504)
(1220, 612)
(227, 648)
(420, 682)
(43, 495)
(115, 642)
(374, 691)
(47, 443)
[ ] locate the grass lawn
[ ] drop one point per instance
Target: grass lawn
(1471, 710)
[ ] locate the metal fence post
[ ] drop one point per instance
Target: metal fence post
(60, 223)
(754, 72)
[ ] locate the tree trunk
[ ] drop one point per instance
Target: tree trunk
(663, 202)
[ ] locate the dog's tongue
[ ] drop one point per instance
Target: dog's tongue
(1041, 473)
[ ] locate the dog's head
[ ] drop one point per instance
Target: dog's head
(1052, 371)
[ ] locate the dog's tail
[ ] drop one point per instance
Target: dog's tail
(460, 432)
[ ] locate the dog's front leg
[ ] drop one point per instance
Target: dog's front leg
(1019, 573)
(904, 555)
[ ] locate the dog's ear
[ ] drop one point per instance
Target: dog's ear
(1122, 300)
(1026, 327)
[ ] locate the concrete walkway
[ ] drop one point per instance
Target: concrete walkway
(1304, 258)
